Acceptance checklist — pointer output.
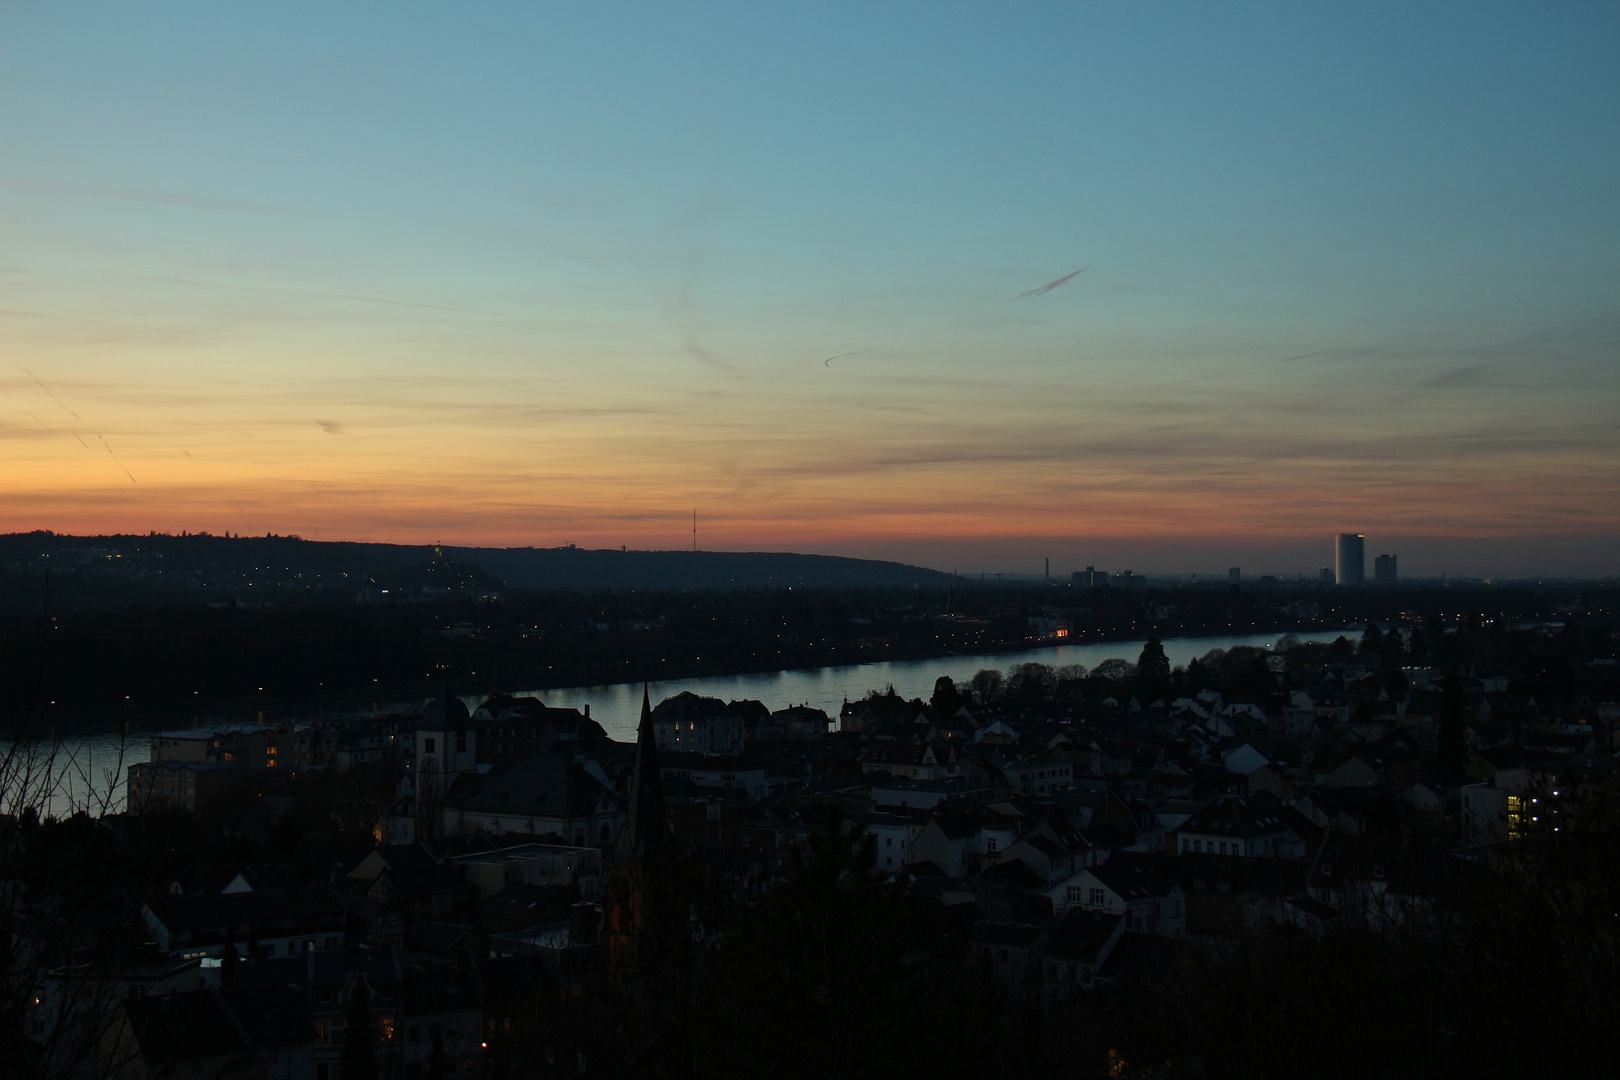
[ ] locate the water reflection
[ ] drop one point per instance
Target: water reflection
(59, 779)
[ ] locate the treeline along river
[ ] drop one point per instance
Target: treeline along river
(618, 707)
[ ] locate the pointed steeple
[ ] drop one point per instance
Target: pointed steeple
(645, 830)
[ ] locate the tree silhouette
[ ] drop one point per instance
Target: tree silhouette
(1451, 750)
(1153, 669)
(359, 1035)
(817, 962)
(1030, 682)
(986, 686)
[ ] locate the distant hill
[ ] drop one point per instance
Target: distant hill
(581, 568)
(99, 570)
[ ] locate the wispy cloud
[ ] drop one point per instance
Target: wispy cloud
(331, 427)
(161, 198)
(702, 353)
(1471, 375)
(358, 297)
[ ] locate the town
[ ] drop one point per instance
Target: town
(727, 541)
(1051, 869)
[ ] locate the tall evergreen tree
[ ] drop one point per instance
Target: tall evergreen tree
(1418, 648)
(1451, 751)
(1153, 669)
(359, 1036)
(229, 960)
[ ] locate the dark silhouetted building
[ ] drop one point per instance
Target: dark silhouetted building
(1384, 570)
(1090, 577)
(1350, 559)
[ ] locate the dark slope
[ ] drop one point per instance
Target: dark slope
(579, 568)
(103, 570)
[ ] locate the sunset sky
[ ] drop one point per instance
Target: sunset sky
(543, 273)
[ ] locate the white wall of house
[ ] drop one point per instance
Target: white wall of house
(1164, 915)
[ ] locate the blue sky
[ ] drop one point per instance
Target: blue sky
(534, 273)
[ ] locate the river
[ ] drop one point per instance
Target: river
(617, 707)
(98, 764)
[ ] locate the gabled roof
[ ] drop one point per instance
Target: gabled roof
(1239, 874)
(333, 969)
(1011, 935)
(548, 784)
(244, 909)
(272, 1017)
(1130, 883)
(446, 713)
(1241, 816)
(1084, 937)
(192, 1026)
(1014, 872)
(1046, 846)
(687, 707)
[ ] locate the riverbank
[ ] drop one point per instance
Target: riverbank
(580, 679)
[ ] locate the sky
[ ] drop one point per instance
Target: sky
(534, 274)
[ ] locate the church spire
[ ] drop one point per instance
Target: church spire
(645, 829)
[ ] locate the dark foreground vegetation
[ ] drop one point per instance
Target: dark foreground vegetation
(840, 972)
(837, 973)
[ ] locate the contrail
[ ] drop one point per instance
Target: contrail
(1302, 356)
(48, 393)
(115, 458)
(828, 362)
(1050, 285)
(48, 427)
